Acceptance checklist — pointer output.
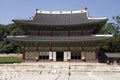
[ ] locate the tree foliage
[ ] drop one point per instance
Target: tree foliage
(5, 45)
(112, 45)
(117, 23)
(108, 29)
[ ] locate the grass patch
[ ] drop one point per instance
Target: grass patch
(10, 60)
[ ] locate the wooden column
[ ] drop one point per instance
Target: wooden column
(50, 46)
(82, 32)
(68, 46)
(68, 32)
(96, 51)
(39, 33)
(36, 46)
(24, 53)
(30, 33)
(51, 34)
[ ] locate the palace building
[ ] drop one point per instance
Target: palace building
(60, 36)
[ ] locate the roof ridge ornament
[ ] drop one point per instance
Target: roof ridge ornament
(60, 12)
(86, 8)
(37, 10)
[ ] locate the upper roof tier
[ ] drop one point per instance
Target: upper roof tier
(60, 18)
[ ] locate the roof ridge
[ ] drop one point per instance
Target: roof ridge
(61, 12)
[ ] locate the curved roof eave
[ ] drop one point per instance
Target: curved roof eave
(21, 22)
(60, 38)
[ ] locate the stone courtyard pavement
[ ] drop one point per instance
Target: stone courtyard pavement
(59, 71)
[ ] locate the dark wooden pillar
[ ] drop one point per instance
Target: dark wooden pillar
(36, 46)
(68, 32)
(82, 32)
(23, 52)
(30, 33)
(50, 46)
(96, 51)
(51, 34)
(68, 46)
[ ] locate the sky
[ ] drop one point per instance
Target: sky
(21, 9)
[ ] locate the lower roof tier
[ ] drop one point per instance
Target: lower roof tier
(60, 38)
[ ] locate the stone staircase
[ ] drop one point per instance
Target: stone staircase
(59, 71)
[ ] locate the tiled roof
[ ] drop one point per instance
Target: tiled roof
(60, 19)
(57, 38)
(111, 55)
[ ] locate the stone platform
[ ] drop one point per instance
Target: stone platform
(59, 71)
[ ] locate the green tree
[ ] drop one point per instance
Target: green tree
(5, 45)
(112, 45)
(3, 32)
(108, 29)
(117, 23)
(14, 29)
(116, 41)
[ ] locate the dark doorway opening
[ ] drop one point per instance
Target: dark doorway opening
(76, 55)
(44, 56)
(59, 56)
